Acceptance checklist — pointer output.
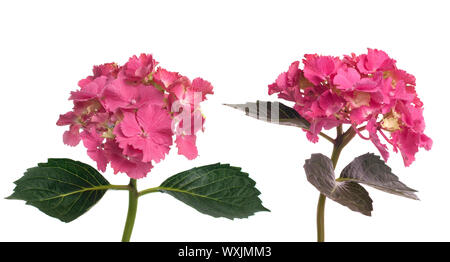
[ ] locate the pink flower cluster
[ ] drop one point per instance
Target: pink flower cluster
(127, 115)
(367, 91)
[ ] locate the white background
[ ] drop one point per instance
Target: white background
(241, 47)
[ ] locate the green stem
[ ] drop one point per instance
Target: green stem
(326, 137)
(340, 142)
(321, 218)
(132, 208)
(149, 190)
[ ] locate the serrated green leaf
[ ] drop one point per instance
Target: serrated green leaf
(320, 173)
(369, 169)
(61, 188)
(218, 190)
(272, 112)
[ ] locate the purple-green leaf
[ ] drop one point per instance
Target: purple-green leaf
(369, 169)
(320, 173)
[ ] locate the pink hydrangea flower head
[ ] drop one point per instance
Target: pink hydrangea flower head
(366, 91)
(125, 115)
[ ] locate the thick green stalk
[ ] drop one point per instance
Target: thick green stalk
(132, 208)
(321, 204)
(321, 218)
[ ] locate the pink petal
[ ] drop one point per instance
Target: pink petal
(72, 137)
(350, 60)
(367, 85)
(399, 74)
(346, 80)
(186, 146)
(101, 118)
(147, 95)
(137, 69)
(187, 122)
(149, 131)
(287, 83)
(139, 170)
(318, 68)
(91, 140)
(373, 129)
(154, 119)
(120, 94)
(99, 156)
(360, 114)
(165, 78)
(321, 123)
(108, 69)
(66, 119)
(116, 95)
(83, 82)
(425, 142)
(179, 87)
(375, 60)
(314, 138)
(412, 116)
(153, 151)
(402, 93)
(133, 168)
(203, 86)
(408, 143)
(330, 103)
(129, 125)
(91, 90)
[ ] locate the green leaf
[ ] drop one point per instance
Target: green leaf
(61, 188)
(320, 173)
(272, 112)
(218, 190)
(369, 169)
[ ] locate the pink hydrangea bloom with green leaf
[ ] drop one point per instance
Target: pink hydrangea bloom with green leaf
(129, 117)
